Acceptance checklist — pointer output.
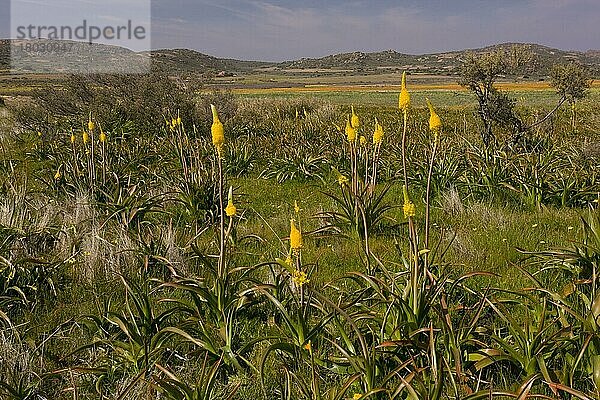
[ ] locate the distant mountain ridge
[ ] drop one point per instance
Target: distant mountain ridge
(444, 62)
(186, 62)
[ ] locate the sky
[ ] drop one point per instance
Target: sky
(284, 30)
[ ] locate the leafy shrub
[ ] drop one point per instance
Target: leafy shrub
(114, 100)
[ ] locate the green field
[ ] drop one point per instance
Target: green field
(122, 278)
(539, 98)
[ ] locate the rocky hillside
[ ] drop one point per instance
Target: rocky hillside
(186, 62)
(438, 63)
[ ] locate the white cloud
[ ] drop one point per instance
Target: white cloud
(263, 29)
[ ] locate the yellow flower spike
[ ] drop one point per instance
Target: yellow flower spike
(57, 175)
(218, 133)
(435, 123)
(296, 207)
(102, 136)
(356, 396)
(363, 140)
(295, 237)
(300, 278)
(408, 207)
(308, 346)
(86, 137)
(378, 134)
(350, 131)
(404, 98)
(355, 121)
(405, 194)
(288, 260)
(91, 125)
(72, 138)
(230, 210)
(342, 180)
(39, 134)
(178, 121)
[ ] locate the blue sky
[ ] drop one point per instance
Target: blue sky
(282, 30)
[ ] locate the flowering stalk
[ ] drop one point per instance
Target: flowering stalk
(230, 211)
(218, 139)
(409, 213)
(221, 269)
(416, 275)
(298, 276)
(102, 139)
(404, 105)
(364, 153)
(435, 126)
(354, 119)
(428, 192)
(75, 163)
(377, 139)
(356, 152)
(366, 239)
(351, 136)
(92, 167)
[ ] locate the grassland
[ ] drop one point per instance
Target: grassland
(114, 283)
(529, 94)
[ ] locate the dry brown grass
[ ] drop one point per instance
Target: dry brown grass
(312, 88)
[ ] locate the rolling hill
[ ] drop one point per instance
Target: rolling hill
(439, 63)
(191, 63)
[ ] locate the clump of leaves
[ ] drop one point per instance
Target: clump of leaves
(480, 72)
(570, 80)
